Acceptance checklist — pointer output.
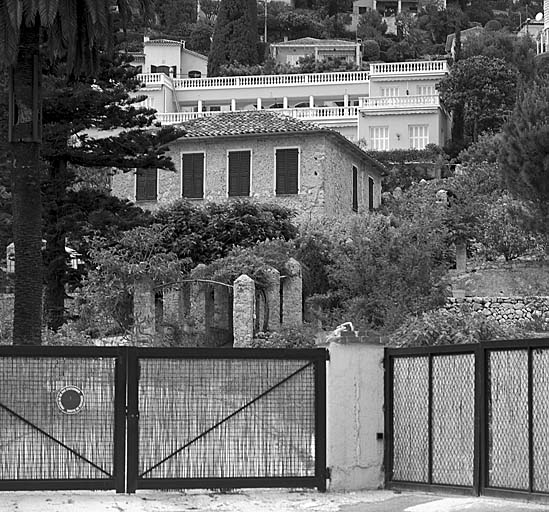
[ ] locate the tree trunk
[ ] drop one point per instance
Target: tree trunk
(27, 221)
(55, 257)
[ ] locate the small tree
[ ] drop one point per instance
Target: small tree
(485, 88)
(370, 50)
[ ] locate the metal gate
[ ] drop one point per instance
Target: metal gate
(226, 418)
(127, 418)
(474, 418)
(62, 418)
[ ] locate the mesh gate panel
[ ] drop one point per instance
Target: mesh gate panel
(29, 387)
(453, 419)
(186, 429)
(410, 419)
(508, 419)
(540, 419)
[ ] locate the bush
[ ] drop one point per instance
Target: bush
(442, 327)
(289, 337)
(370, 50)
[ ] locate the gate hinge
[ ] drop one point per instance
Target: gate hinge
(328, 474)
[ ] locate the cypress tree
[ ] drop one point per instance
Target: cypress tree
(235, 38)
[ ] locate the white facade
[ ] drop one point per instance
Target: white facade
(347, 102)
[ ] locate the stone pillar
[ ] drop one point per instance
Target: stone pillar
(285, 102)
(197, 306)
(292, 295)
(173, 306)
(399, 8)
(233, 105)
(461, 257)
(144, 311)
(243, 311)
(272, 294)
(311, 101)
(199, 107)
(354, 403)
(258, 104)
(345, 100)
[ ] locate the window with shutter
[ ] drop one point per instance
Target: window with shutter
(287, 171)
(370, 193)
(239, 173)
(145, 184)
(355, 189)
(192, 166)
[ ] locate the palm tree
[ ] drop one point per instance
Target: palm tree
(77, 30)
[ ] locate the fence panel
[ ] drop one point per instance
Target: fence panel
(60, 426)
(470, 417)
(229, 418)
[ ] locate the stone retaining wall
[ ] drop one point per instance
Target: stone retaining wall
(506, 310)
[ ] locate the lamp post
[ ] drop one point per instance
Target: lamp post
(265, 28)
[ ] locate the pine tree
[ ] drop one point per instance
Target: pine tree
(235, 38)
(70, 108)
(524, 155)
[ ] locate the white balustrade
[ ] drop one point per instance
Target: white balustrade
(311, 114)
(378, 102)
(226, 82)
(419, 67)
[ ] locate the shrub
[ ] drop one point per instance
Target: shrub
(370, 50)
(442, 327)
(289, 337)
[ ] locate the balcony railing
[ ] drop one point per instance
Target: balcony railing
(155, 78)
(223, 82)
(388, 102)
(309, 114)
(407, 68)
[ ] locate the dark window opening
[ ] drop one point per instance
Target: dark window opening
(146, 184)
(239, 173)
(193, 175)
(287, 168)
(355, 189)
(370, 194)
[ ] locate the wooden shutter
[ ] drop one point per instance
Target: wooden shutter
(146, 182)
(287, 168)
(193, 175)
(355, 189)
(239, 173)
(370, 193)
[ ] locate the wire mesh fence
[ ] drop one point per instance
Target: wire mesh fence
(470, 416)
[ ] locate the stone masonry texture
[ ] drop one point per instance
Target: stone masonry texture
(325, 173)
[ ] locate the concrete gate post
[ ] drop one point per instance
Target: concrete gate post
(354, 411)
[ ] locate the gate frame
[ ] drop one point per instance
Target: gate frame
(117, 481)
(316, 356)
(481, 425)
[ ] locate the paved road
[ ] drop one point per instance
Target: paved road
(254, 501)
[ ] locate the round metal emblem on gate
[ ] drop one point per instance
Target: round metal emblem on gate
(70, 399)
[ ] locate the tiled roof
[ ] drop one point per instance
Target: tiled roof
(312, 41)
(243, 123)
(164, 42)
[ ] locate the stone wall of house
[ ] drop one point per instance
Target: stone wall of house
(533, 310)
(325, 173)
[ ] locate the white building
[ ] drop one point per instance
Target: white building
(390, 106)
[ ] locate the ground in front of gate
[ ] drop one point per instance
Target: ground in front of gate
(253, 501)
